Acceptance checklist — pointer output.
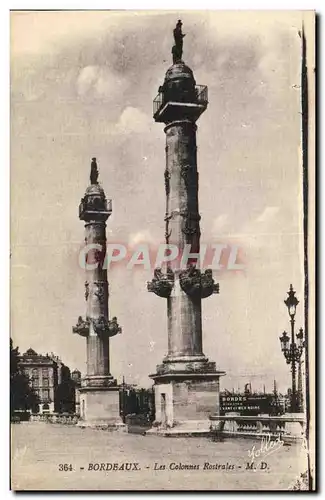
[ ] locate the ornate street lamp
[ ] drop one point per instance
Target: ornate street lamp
(293, 351)
(300, 338)
(291, 302)
(285, 342)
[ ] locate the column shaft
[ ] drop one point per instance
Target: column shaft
(97, 356)
(184, 324)
(97, 299)
(182, 228)
(182, 207)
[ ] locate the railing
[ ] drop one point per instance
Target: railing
(286, 426)
(109, 205)
(157, 102)
(55, 418)
(201, 97)
(94, 205)
(202, 94)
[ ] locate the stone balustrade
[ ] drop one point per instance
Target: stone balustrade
(55, 418)
(288, 427)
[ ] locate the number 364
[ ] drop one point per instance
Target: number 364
(65, 467)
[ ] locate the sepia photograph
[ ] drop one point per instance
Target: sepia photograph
(162, 259)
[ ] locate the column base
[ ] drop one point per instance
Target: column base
(185, 364)
(184, 402)
(98, 381)
(100, 408)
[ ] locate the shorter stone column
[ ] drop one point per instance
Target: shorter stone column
(99, 391)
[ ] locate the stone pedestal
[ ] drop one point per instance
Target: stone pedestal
(99, 408)
(184, 402)
(185, 399)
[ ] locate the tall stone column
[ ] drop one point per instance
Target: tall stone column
(186, 383)
(97, 303)
(99, 392)
(182, 229)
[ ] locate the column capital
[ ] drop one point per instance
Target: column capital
(162, 283)
(196, 283)
(82, 327)
(104, 327)
(101, 325)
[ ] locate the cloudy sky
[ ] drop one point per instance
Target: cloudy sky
(82, 85)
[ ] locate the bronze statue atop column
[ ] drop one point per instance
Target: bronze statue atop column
(177, 49)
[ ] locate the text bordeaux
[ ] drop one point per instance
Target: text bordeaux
(109, 466)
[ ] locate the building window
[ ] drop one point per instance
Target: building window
(35, 373)
(35, 383)
(45, 382)
(46, 394)
(45, 372)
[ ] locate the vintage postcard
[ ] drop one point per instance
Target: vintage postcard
(162, 250)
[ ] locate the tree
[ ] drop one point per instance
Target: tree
(65, 397)
(22, 396)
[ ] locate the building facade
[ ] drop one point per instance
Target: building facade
(51, 381)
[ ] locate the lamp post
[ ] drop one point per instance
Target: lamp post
(293, 350)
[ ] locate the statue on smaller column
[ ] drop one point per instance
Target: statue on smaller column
(177, 49)
(94, 172)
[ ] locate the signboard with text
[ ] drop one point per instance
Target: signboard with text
(247, 404)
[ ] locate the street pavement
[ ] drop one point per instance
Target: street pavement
(40, 453)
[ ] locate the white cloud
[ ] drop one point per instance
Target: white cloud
(132, 120)
(86, 79)
(143, 236)
(99, 82)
